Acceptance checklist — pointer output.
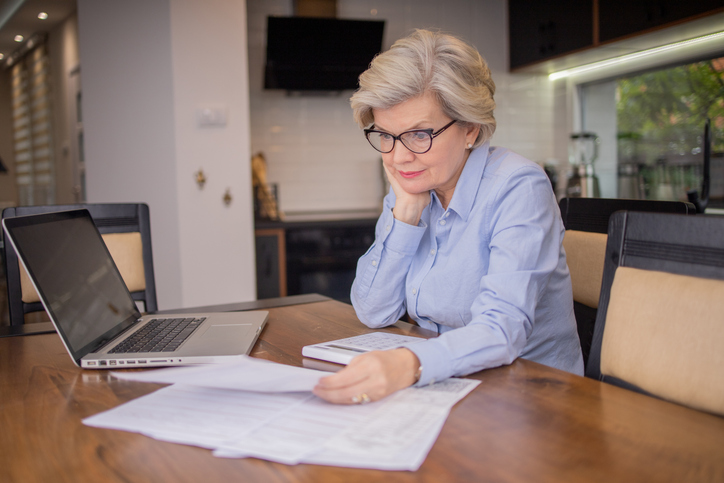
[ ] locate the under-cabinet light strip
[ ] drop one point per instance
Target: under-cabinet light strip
(633, 56)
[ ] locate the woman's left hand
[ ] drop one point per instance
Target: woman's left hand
(370, 377)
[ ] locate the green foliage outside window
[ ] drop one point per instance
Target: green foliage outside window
(668, 108)
(661, 117)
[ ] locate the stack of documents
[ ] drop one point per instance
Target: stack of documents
(255, 408)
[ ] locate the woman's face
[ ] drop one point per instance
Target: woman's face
(438, 169)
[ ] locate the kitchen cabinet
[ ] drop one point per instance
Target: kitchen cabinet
(621, 18)
(271, 266)
(317, 256)
(540, 30)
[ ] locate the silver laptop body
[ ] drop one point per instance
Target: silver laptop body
(93, 311)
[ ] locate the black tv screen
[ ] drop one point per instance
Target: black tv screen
(319, 54)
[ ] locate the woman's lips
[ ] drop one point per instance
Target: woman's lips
(410, 174)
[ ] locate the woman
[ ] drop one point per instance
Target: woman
(470, 239)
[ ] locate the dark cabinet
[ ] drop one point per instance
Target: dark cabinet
(621, 18)
(542, 29)
(271, 267)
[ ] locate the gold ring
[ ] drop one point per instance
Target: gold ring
(361, 399)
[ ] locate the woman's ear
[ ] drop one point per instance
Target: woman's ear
(472, 134)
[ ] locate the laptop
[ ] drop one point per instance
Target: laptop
(94, 313)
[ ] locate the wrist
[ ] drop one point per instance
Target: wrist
(418, 375)
(414, 368)
(407, 214)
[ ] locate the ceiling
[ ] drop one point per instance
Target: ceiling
(20, 17)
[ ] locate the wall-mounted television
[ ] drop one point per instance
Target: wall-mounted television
(319, 54)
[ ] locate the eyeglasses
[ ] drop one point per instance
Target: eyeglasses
(419, 141)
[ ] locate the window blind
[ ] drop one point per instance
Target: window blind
(31, 99)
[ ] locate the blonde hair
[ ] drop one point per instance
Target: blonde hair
(429, 62)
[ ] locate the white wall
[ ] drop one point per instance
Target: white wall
(210, 70)
(316, 153)
(146, 65)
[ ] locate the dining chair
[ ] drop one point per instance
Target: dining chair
(126, 229)
(586, 224)
(660, 327)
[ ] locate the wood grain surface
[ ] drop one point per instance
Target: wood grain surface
(525, 422)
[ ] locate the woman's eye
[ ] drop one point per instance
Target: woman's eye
(419, 135)
(385, 137)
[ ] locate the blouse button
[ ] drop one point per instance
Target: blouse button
(432, 252)
(387, 228)
(374, 263)
(414, 291)
(442, 222)
(447, 213)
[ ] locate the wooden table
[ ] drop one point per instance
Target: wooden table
(525, 422)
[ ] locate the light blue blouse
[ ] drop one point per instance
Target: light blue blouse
(488, 274)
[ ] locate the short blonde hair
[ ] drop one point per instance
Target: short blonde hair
(429, 62)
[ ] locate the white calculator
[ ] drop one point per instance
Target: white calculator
(342, 351)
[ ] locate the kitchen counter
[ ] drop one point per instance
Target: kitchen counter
(319, 217)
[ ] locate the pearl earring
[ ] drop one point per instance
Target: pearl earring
(470, 145)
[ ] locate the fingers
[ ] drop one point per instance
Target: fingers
(349, 377)
(393, 181)
(346, 386)
(408, 206)
(347, 395)
(369, 377)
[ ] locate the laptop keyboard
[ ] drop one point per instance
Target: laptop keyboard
(159, 335)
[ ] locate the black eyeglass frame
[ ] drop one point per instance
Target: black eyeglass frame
(429, 132)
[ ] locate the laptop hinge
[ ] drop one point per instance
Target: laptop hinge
(104, 342)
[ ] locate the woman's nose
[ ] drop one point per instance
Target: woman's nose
(400, 153)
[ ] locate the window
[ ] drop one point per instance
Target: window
(652, 131)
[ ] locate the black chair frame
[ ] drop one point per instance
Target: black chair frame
(109, 218)
(592, 215)
(682, 245)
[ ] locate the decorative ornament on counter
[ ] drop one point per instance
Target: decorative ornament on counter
(265, 196)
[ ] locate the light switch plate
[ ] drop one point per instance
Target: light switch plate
(211, 116)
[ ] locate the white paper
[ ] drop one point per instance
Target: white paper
(395, 433)
(246, 373)
(383, 441)
(197, 415)
(298, 432)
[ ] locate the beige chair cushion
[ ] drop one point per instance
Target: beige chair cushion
(585, 254)
(127, 252)
(665, 334)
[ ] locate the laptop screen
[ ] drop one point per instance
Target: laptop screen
(75, 276)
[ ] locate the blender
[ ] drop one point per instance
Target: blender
(582, 152)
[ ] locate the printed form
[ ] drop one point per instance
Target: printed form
(255, 408)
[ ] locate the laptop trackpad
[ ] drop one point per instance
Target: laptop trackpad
(225, 332)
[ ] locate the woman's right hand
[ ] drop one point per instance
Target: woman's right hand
(370, 377)
(408, 206)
